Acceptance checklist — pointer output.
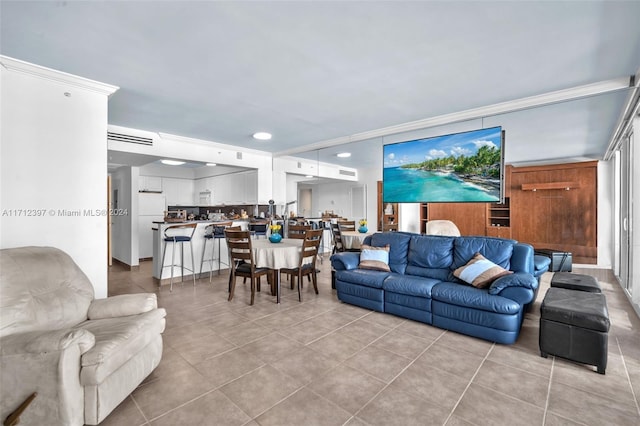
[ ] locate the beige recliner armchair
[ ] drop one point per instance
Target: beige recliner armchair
(83, 356)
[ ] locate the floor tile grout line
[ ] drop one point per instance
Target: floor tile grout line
(546, 403)
(626, 370)
(469, 384)
(397, 375)
(146, 420)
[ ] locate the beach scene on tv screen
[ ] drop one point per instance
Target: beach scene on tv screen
(460, 167)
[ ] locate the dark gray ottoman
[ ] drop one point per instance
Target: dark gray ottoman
(574, 325)
(572, 281)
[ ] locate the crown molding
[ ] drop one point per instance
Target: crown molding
(535, 101)
(23, 67)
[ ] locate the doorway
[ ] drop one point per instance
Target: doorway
(304, 202)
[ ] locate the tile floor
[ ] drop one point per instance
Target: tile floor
(323, 362)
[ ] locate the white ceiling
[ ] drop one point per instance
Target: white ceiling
(310, 72)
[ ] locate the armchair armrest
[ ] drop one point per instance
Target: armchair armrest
(46, 362)
(345, 261)
(122, 305)
(36, 342)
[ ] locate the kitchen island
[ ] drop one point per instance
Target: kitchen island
(163, 275)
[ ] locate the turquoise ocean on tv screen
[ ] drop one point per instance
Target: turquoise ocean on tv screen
(412, 185)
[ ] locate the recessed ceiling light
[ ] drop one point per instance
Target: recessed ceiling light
(263, 136)
(344, 155)
(211, 164)
(172, 162)
(308, 176)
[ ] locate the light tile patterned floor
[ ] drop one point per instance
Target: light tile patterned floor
(322, 362)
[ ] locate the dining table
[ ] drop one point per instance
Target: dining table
(352, 240)
(283, 254)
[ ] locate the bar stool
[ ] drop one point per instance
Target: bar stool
(258, 229)
(213, 232)
(176, 234)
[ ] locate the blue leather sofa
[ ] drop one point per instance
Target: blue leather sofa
(421, 285)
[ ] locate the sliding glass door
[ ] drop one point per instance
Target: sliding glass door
(625, 170)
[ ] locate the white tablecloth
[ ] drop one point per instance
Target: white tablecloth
(353, 239)
(285, 254)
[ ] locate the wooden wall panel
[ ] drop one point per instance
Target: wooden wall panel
(470, 218)
(557, 218)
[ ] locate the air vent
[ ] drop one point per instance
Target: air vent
(121, 137)
(299, 165)
(347, 173)
(239, 155)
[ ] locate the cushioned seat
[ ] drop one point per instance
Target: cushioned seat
(579, 282)
(574, 325)
(411, 285)
(468, 296)
(365, 277)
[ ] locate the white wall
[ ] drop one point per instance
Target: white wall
(54, 163)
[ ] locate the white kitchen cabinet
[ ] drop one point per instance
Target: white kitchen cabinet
(251, 187)
(178, 191)
(150, 184)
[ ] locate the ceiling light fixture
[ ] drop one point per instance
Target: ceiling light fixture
(344, 155)
(211, 164)
(308, 176)
(263, 136)
(172, 162)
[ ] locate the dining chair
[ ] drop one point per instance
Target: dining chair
(337, 238)
(298, 231)
(242, 263)
(347, 225)
(307, 264)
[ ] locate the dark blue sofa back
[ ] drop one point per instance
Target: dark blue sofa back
(436, 257)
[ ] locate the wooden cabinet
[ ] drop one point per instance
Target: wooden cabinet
(499, 219)
(386, 221)
(555, 207)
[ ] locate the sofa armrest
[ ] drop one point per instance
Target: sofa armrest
(122, 305)
(345, 261)
(518, 279)
(37, 342)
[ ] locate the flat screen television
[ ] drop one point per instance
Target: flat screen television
(460, 167)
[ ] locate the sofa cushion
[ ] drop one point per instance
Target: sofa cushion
(477, 298)
(117, 340)
(363, 277)
(430, 256)
(497, 250)
(480, 272)
(398, 247)
(376, 258)
(407, 284)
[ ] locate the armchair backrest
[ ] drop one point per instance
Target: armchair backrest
(41, 288)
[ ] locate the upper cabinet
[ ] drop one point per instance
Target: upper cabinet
(150, 184)
(235, 188)
(178, 191)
